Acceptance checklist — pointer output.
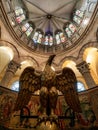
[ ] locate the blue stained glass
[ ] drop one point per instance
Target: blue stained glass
(80, 86)
(15, 86)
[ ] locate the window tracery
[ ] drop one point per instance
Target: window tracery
(37, 37)
(48, 39)
(60, 38)
(70, 29)
(19, 13)
(78, 16)
(27, 28)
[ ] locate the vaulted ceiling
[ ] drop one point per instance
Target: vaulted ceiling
(71, 20)
(50, 26)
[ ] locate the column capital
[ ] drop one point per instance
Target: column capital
(83, 67)
(13, 66)
(10, 71)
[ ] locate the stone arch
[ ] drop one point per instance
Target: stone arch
(66, 58)
(6, 55)
(23, 58)
(9, 44)
(87, 45)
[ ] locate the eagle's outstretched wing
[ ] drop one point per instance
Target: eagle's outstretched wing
(28, 83)
(66, 83)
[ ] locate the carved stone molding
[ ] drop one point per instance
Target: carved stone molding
(10, 71)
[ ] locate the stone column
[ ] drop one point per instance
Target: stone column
(84, 69)
(10, 71)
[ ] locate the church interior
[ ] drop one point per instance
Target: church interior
(49, 64)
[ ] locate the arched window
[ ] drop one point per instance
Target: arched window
(78, 15)
(70, 29)
(80, 86)
(27, 28)
(38, 36)
(19, 13)
(15, 86)
(60, 38)
(48, 39)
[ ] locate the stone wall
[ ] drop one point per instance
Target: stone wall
(88, 101)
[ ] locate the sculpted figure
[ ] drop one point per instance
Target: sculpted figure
(48, 82)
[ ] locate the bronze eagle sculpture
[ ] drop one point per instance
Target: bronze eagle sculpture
(48, 82)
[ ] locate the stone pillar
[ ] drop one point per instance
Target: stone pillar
(84, 69)
(10, 71)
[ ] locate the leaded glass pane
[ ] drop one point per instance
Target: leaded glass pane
(57, 39)
(62, 37)
(46, 40)
(35, 37)
(79, 13)
(72, 28)
(40, 38)
(20, 18)
(50, 40)
(25, 27)
(77, 19)
(28, 32)
(68, 32)
(18, 11)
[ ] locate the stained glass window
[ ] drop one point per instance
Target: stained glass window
(60, 38)
(15, 86)
(37, 38)
(77, 19)
(20, 16)
(79, 13)
(80, 86)
(27, 28)
(70, 30)
(48, 40)
(78, 16)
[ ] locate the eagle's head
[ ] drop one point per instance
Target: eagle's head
(48, 75)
